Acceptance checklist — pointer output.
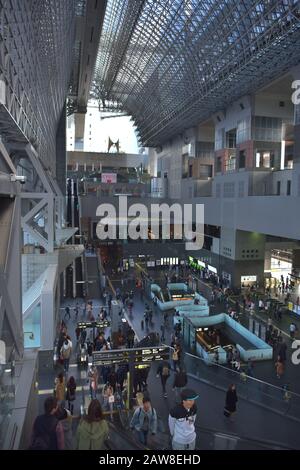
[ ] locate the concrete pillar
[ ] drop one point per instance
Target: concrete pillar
(268, 260)
(296, 262)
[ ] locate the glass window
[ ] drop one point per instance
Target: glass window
(278, 188)
(242, 159)
(32, 328)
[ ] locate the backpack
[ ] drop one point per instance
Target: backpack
(152, 410)
(42, 437)
(40, 443)
(165, 371)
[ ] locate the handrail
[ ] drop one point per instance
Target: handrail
(127, 437)
(263, 442)
(238, 374)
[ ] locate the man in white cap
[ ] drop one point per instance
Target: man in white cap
(182, 421)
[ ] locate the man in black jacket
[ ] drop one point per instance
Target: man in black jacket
(164, 372)
(48, 433)
(180, 381)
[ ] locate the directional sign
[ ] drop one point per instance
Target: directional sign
(93, 324)
(133, 356)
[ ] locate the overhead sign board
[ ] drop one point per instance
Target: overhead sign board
(93, 324)
(134, 356)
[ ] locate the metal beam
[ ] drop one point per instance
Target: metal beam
(171, 64)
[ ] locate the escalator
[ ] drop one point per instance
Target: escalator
(120, 439)
(93, 277)
(73, 221)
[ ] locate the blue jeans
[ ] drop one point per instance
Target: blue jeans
(66, 364)
(142, 436)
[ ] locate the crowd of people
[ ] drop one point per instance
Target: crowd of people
(108, 384)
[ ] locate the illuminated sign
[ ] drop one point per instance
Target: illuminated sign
(93, 324)
(134, 356)
(108, 178)
(212, 269)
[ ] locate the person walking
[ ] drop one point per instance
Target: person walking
(67, 313)
(93, 381)
(60, 387)
(230, 402)
(175, 357)
(66, 420)
(163, 329)
(76, 310)
(182, 421)
(92, 430)
(109, 399)
(112, 378)
(279, 365)
(250, 371)
(163, 371)
(282, 350)
(144, 421)
(292, 330)
(65, 352)
(47, 431)
(180, 381)
(71, 393)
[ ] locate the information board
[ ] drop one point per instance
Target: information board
(133, 356)
(93, 324)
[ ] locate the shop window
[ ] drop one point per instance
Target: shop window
(242, 159)
(231, 139)
(278, 188)
(230, 164)
(219, 164)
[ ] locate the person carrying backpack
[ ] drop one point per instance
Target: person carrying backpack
(65, 352)
(144, 421)
(47, 432)
(164, 372)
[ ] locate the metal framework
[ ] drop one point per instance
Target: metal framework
(173, 63)
(36, 44)
(36, 41)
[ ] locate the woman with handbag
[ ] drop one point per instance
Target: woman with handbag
(230, 402)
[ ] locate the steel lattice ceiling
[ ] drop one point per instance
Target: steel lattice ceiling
(36, 58)
(172, 63)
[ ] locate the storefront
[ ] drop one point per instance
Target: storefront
(280, 269)
(248, 281)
